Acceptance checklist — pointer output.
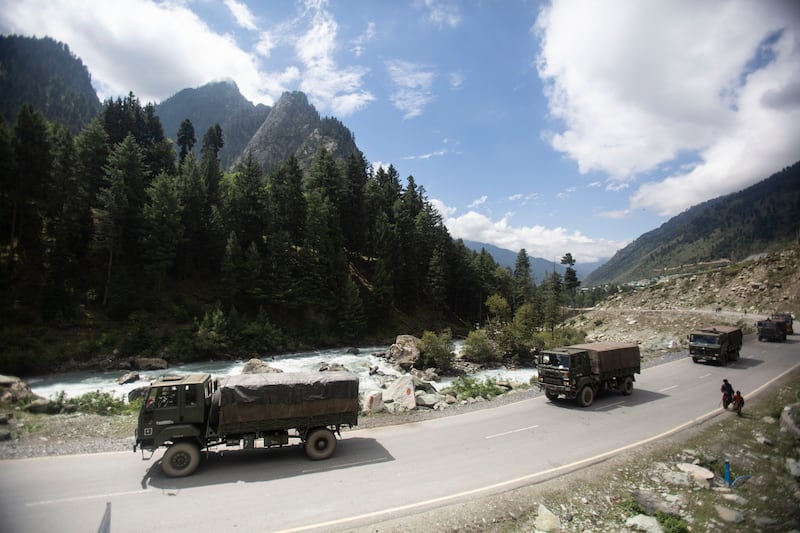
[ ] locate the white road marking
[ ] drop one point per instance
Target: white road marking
(512, 431)
(668, 388)
(704, 376)
(87, 497)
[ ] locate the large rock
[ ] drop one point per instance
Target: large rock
(128, 377)
(373, 402)
(14, 390)
(405, 351)
(401, 393)
(648, 524)
(257, 366)
(546, 520)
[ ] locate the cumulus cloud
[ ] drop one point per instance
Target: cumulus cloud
(637, 86)
(538, 241)
(413, 87)
(244, 17)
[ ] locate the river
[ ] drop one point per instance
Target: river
(74, 384)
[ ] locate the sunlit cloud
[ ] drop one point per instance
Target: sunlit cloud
(441, 13)
(478, 201)
(719, 86)
(244, 17)
(413, 87)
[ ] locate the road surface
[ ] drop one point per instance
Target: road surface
(380, 473)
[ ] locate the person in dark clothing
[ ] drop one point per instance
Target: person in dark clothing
(727, 393)
(738, 403)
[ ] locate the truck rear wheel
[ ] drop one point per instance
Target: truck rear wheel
(551, 395)
(181, 459)
(586, 396)
(627, 386)
(320, 444)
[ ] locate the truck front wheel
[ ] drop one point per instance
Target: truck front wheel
(551, 395)
(586, 396)
(320, 444)
(181, 459)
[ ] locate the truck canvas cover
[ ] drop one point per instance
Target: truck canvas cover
(616, 355)
(249, 398)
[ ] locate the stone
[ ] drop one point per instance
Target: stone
(257, 366)
(405, 351)
(731, 516)
(128, 377)
(793, 467)
(401, 393)
(546, 520)
(652, 503)
(645, 523)
(427, 399)
(373, 402)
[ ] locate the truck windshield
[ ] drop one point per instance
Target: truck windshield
(555, 359)
(704, 339)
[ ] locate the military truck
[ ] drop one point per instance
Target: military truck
(770, 330)
(190, 413)
(580, 371)
(718, 344)
(785, 320)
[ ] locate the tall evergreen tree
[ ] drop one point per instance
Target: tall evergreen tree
(186, 139)
(164, 231)
(523, 281)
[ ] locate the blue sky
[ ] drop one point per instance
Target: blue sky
(555, 126)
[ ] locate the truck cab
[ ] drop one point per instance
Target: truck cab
(718, 344)
(174, 407)
(784, 321)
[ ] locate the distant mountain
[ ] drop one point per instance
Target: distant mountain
(294, 126)
(541, 268)
(762, 218)
(45, 74)
(214, 103)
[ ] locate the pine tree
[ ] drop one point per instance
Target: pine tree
(186, 139)
(164, 231)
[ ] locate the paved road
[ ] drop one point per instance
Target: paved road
(379, 473)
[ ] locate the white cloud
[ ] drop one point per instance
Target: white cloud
(616, 215)
(716, 81)
(538, 241)
(478, 201)
(413, 84)
(336, 88)
(456, 80)
(265, 45)
(437, 153)
(244, 17)
(360, 41)
(441, 13)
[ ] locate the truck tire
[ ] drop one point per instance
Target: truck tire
(551, 395)
(181, 459)
(586, 396)
(320, 444)
(694, 359)
(627, 386)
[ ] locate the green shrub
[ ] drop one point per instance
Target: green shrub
(98, 403)
(478, 348)
(467, 387)
(437, 350)
(672, 523)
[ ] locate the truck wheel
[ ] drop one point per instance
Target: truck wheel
(627, 386)
(694, 359)
(586, 396)
(760, 338)
(552, 396)
(320, 444)
(181, 459)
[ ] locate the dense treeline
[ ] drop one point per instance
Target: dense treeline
(115, 240)
(45, 74)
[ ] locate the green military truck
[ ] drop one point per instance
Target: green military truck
(580, 371)
(189, 413)
(717, 344)
(770, 330)
(785, 321)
